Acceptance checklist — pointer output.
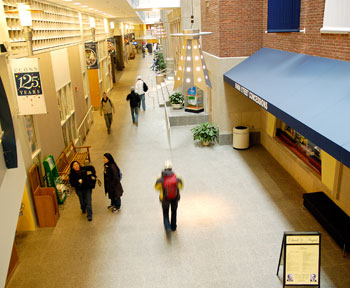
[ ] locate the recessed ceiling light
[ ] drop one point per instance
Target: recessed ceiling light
(68, 0)
(76, 3)
(85, 6)
(91, 8)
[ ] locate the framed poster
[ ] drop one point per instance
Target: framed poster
(301, 252)
(91, 55)
(111, 45)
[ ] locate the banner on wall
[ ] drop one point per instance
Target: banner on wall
(111, 45)
(91, 55)
(30, 95)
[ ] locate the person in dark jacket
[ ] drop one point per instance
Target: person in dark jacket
(135, 101)
(79, 179)
(166, 203)
(113, 187)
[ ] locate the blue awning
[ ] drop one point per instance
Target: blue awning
(310, 94)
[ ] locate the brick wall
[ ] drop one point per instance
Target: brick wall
(238, 25)
(313, 42)
(238, 30)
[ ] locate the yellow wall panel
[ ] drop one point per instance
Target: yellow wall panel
(270, 124)
(26, 221)
(94, 87)
(328, 169)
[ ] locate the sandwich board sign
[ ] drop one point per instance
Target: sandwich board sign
(301, 259)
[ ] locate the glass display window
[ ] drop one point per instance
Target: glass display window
(300, 146)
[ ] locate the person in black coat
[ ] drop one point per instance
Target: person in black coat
(113, 187)
(79, 179)
(135, 101)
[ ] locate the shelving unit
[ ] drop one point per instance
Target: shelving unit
(55, 26)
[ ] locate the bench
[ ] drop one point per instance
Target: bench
(71, 153)
(330, 216)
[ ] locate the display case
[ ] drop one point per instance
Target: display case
(53, 179)
(300, 146)
(194, 100)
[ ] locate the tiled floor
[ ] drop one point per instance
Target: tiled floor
(231, 217)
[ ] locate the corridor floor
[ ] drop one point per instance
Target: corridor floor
(233, 211)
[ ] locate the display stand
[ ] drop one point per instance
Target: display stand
(194, 100)
(53, 179)
(301, 256)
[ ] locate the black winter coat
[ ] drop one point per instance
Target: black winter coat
(112, 181)
(75, 176)
(134, 99)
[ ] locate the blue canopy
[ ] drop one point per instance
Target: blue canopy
(310, 94)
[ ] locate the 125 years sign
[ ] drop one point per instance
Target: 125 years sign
(30, 96)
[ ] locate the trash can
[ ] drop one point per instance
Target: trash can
(240, 137)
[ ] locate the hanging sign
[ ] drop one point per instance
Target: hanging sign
(301, 253)
(91, 55)
(111, 45)
(30, 95)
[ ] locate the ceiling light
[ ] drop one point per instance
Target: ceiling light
(76, 3)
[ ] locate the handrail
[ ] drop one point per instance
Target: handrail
(83, 121)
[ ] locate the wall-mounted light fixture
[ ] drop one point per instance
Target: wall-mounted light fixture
(92, 28)
(207, 3)
(111, 25)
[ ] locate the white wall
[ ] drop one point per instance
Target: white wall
(60, 65)
(12, 184)
(11, 191)
(229, 108)
(186, 12)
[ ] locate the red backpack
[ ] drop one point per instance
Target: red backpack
(170, 187)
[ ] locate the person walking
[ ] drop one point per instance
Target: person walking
(112, 178)
(108, 109)
(81, 178)
(140, 86)
(169, 186)
(134, 99)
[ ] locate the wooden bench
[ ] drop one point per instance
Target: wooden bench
(330, 216)
(69, 155)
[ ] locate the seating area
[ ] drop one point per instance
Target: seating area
(330, 216)
(71, 153)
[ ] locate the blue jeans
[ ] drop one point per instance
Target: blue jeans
(134, 114)
(142, 97)
(85, 201)
(165, 206)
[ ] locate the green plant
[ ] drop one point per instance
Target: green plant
(205, 132)
(176, 98)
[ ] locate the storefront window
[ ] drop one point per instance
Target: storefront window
(302, 147)
(29, 124)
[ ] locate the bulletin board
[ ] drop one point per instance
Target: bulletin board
(301, 259)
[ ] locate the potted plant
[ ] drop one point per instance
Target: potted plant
(206, 133)
(177, 100)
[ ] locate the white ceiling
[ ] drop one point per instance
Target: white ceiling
(119, 10)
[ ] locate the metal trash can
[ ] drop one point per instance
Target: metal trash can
(240, 137)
